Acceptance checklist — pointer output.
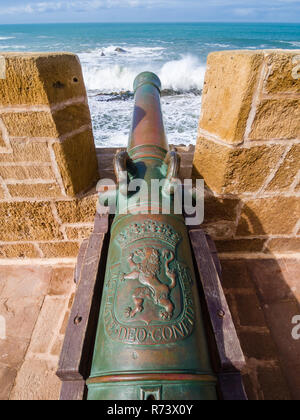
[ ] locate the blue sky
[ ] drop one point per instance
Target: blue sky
(45, 11)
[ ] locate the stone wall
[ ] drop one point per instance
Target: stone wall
(48, 162)
(248, 151)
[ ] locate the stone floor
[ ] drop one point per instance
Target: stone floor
(35, 303)
(264, 297)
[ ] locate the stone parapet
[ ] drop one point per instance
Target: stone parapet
(47, 156)
(248, 151)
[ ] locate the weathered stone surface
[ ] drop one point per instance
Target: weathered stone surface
(30, 124)
(60, 249)
(279, 317)
(28, 221)
(236, 275)
(27, 150)
(19, 172)
(35, 190)
(57, 346)
(274, 215)
(259, 346)
(227, 170)
(276, 119)
(249, 310)
(287, 172)
(18, 251)
(220, 209)
(273, 384)
(231, 79)
(275, 280)
(20, 315)
(2, 142)
(76, 158)
(24, 281)
(2, 193)
(281, 65)
(240, 245)
(79, 233)
(47, 124)
(48, 324)
(37, 381)
(62, 281)
(77, 211)
(71, 118)
(284, 245)
(7, 379)
(12, 351)
(35, 78)
(220, 229)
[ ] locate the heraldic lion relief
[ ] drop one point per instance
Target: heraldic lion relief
(146, 272)
(149, 294)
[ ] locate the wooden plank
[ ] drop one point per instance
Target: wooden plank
(73, 391)
(80, 260)
(78, 343)
(228, 344)
(231, 387)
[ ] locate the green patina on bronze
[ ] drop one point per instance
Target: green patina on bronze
(150, 341)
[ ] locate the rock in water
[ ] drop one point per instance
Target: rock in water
(102, 54)
(120, 50)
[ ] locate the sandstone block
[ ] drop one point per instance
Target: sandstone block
(78, 211)
(227, 170)
(79, 233)
(62, 281)
(13, 351)
(231, 79)
(30, 124)
(276, 119)
(77, 161)
(274, 215)
(28, 221)
(2, 142)
(37, 380)
(235, 275)
(60, 249)
(220, 209)
(2, 193)
(35, 190)
(47, 124)
(18, 251)
(281, 72)
(26, 172)
(284, 245)
(7, 379)
(276, 280)
(250, 311)
(259, 346)
(20, 315)
(287, 172)
(27, 150)
(20, 282)
(240, 245)
(273, 384)
(48, 324)
(35, 78)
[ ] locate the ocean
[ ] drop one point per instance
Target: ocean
(113, 54)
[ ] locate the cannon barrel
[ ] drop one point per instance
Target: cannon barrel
(150, 341)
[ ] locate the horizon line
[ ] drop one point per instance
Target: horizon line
(154, 22)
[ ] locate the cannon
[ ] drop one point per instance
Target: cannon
(151, 342)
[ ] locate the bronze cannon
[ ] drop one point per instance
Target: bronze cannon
(151, 342)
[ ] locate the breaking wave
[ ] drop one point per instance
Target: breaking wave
(184, 75)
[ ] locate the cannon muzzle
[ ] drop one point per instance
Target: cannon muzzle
(151, 341)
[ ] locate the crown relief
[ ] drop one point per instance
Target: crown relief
(148, 229)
